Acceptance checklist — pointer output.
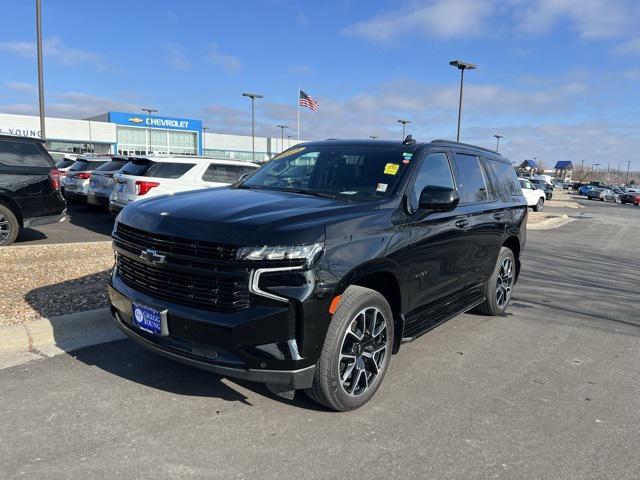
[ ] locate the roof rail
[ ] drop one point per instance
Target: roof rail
(439, 140)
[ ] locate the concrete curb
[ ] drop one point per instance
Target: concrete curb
(550, 223)
(68, 244)
(52, 336)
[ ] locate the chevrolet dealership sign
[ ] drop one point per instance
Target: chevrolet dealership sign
(135, 120)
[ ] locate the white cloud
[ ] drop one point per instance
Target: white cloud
(301, 20)
(21, 87)
(228, 62)
(300, 69)
(447, 19)
(53, 49)
(71, 105)
(630, 47)
(176, 58)
(438, 19)
(588, 18)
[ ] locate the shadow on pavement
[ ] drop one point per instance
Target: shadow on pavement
(96, 220)
(29, 235)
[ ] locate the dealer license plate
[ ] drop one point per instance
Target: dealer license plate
(147, 319)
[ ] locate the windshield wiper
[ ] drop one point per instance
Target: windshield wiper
(307, 192)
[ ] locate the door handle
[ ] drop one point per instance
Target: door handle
(461, 223)
(498, 216)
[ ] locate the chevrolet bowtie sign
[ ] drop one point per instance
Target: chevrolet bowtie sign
(153, 121)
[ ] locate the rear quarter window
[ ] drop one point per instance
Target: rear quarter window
(168, 170)
(136, 168)
(508, 183)
(22, 154)
(225, 173)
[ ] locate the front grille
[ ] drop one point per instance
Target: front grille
(183, 279)
(170, 244)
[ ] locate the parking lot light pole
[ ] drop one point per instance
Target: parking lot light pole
(498, 137)
(282, 127)
(596, 172)
(404, 124)
(149, 112)
(253, 97)
(628, 167)
(462, 66)
(40, 72)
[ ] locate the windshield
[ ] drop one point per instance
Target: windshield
(341, 171)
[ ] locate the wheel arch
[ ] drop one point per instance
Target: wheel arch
(13, 206)
(380, 277)
(513, 243)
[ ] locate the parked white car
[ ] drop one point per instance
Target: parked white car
(535, 197)
(76, 182)
(154, 175)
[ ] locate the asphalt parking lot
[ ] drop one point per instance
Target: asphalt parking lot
(548, 391)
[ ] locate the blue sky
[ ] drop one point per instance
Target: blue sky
(558, 78)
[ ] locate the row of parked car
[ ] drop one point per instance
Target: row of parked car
(113, 181)
(611, 194)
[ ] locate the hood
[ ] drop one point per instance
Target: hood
(242, 216)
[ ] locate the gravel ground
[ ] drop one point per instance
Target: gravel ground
(49, 280)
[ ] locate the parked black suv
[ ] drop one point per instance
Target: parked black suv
(309, 273)
(547, 188)
(29, 187)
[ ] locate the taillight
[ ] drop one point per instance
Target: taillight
(143, 187)
(54, 178)
(82, 175)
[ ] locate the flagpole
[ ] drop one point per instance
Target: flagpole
(298, 103)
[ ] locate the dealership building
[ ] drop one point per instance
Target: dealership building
(139, 134)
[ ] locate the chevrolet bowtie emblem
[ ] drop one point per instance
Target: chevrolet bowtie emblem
(136, 120)
(151, 256)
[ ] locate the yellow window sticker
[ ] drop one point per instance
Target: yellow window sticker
(288, 153)
(391, 168)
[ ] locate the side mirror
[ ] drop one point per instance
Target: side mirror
(438, 199)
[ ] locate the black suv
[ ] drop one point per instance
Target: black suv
(29, 187)
(310, 272)
(547, 188)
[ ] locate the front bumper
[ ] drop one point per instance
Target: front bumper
(241, 345)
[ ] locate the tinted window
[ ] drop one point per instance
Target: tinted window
(22, 154)
(434, 171)
(64, 163)
(350, 172)
(136, 167)
(507, 179)
(168, 170)
(225, 173)
(471, 184)
(111, 166)
(86, 165)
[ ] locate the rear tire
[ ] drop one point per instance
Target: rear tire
(539, 206)
(500, 284)
(356, 351)
(9, 226)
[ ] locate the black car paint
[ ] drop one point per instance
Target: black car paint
(435, 262)
(27, 190)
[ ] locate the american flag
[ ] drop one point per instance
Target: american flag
(307, 100)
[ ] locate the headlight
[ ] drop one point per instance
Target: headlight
(288, 252)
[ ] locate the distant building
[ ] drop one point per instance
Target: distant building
(138, 134)
(563, 170)
(527, 169)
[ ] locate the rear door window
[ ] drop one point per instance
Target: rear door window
(169, 170)
(472, 183)
(22, 154)
(225, 173)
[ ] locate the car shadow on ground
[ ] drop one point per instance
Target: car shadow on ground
(94, 219)
(127, 359)
(29, 235)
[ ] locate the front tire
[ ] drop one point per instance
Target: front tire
(500, 284)
(9, 226)
(539, 206)
(356, 351)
